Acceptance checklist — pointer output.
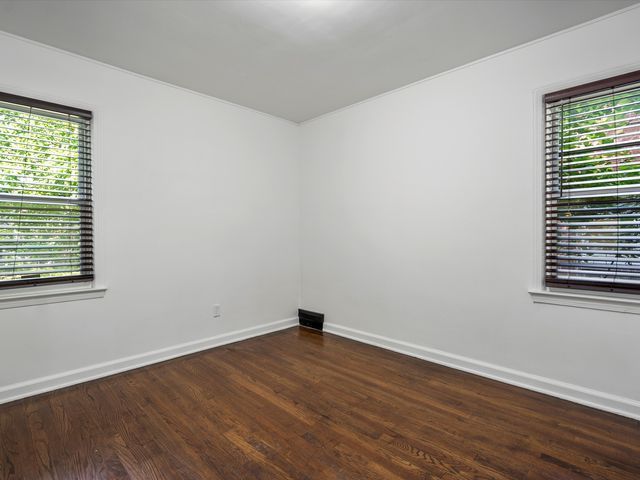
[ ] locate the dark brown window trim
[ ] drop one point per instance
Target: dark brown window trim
(592, 87)
(597, 89)
(591, 286)
(46, 281)
(55, 107)
(82, 117)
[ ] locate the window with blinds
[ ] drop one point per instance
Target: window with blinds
(593, 186)
(45, 193)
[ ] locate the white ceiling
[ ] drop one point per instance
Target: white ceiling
(295, 59)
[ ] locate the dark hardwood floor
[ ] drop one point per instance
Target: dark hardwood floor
(298, 405)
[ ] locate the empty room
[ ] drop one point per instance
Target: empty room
(319, 239)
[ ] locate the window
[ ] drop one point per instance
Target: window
(592, 193)
(45, 193)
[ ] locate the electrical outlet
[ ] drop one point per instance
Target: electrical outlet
(216, 311)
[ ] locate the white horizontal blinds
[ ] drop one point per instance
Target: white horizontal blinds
(593, 188)
(45, 193)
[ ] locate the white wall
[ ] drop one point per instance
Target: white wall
(197, 204)
(417, 220)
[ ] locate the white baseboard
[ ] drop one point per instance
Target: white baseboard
(574, 393)
(36, 386)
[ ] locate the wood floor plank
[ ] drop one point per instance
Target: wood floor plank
(303, 406)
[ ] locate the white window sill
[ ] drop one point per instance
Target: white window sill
(30, 297)
(585, 300)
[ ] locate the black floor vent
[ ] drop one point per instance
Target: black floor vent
(311, 319)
